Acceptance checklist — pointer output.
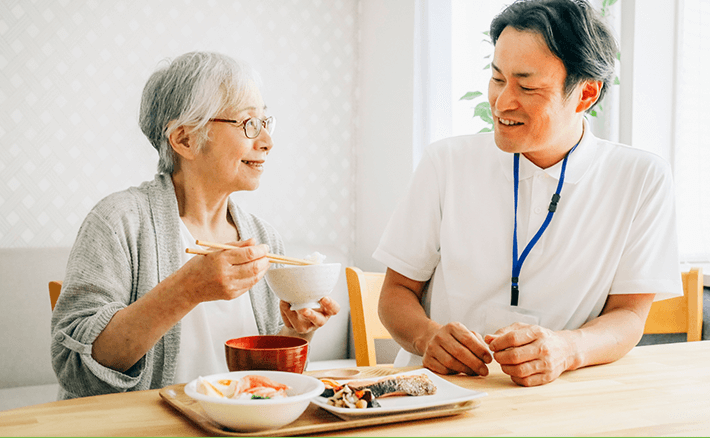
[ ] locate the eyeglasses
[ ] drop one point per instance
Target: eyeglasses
(252, 126)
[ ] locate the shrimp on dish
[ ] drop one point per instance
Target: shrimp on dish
(248, 387)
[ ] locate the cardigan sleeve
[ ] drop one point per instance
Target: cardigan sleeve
(98, 283)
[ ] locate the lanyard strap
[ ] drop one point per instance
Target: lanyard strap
(518, 263)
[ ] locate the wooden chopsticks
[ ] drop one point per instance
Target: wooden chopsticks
(273, 258)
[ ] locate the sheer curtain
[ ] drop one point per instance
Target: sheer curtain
(691, 146)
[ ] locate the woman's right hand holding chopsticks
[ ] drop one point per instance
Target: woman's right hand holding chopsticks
(227, 273)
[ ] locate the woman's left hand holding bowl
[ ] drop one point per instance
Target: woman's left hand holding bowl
(308, 320)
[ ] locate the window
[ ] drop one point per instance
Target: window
(471, 52)
(691, 153)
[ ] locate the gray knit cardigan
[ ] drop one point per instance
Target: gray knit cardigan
(128, 243)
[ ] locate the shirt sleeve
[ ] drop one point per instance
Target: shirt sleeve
(650, 262)
(411, 241)
(98, 283)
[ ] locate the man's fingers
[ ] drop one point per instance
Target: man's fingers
(517, 355)
(441, 361)
(515, 335)
(473, 343)
(459, 350)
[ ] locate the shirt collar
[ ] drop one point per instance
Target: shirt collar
(577, 165)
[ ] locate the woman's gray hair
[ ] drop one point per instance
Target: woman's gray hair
(189, 91)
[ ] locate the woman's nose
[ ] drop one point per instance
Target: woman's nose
(264, 141)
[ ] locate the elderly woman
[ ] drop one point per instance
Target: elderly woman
(136, 312)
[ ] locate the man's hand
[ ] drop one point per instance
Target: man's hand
(455, 349)
(531, 355)
(307, 320)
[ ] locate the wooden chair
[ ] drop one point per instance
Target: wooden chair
(681, 314)
(55, 288)
(364, 291)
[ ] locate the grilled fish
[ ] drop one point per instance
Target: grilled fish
(414, 385)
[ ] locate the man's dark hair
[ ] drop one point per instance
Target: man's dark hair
(573, 32)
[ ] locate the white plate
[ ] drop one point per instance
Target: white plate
(446, 394)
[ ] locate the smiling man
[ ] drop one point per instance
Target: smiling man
(539, 246)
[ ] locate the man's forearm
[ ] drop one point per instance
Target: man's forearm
(611, 335)
(402, 314)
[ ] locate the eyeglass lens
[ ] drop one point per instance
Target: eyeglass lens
(252, 128)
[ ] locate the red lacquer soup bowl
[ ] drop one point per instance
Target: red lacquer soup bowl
(266, 352)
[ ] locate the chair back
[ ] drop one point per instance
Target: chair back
(680, 314)
(364, 291)
(55, 288)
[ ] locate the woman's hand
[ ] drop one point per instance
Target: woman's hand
(225, 274)
(308, 320)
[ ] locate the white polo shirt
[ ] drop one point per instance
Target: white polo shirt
(614, 231)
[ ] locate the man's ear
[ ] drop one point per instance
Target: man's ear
(590, 92)
(183, 143)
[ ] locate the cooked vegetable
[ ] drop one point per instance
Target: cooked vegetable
(362, 394)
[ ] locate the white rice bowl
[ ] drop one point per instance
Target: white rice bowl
(255, 415)
(303, 286)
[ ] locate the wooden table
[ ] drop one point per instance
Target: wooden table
(657, 390)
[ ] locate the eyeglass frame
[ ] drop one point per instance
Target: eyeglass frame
(243, 124)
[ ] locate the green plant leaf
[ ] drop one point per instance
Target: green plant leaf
(483, 110)
(485, 130)
(487, 67)
(593, 113)
(616, 80)
(471, 95)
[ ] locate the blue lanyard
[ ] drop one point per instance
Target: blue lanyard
(518, 263)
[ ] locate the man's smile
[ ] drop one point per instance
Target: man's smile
(509, 122)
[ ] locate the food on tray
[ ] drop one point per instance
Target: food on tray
(248, 387)
(415, 385)
(363, 394)
(346, 397)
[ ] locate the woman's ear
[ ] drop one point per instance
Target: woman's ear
(183, 143)
(589, 94)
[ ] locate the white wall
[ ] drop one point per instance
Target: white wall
(337, 74)
(385, 119)
(71, 74)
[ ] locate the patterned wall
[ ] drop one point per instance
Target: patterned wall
(71, 74)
